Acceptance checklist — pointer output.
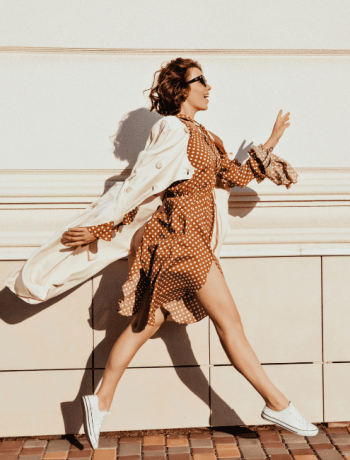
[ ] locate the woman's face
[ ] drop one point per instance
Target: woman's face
(198, 93)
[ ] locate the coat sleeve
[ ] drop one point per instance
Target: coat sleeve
(163, 161)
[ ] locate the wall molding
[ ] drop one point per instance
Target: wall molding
(83, 186)
(158, 51)
(312, 218)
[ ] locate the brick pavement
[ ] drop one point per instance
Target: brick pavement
(227, 443)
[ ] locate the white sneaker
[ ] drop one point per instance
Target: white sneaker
(93, 419)
(291, 420)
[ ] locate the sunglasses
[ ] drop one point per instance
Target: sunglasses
(201, 78)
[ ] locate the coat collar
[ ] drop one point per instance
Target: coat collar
(186, 117)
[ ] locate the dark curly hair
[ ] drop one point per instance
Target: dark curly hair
(169, 88)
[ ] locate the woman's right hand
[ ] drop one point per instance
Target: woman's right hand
(77, 236)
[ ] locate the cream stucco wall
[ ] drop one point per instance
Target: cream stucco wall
(73, 119)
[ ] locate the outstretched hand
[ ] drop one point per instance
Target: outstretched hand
(77, 237)
(279, 126)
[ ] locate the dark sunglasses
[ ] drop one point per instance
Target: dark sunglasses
(201, 78)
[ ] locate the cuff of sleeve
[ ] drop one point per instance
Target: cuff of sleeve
(261, 155)
(103, 231)
(275, 168)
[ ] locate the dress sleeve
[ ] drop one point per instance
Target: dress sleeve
(232, 173)
(104, 231)
(260, 165)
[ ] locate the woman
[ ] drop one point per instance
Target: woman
(179, 185)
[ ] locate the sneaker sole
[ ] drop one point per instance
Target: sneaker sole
(289, 427)
(87, 420)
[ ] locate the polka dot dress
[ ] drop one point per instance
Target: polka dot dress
(174, 257)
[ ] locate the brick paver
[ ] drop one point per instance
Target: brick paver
(130, 457)
(203, 450)
(227, 451)
(185, 456)
(305, 451)
(30, 457)
(130, 439)
(305, 457)
(177, 441)
(231, 443)
(204, 457)
(154, 454)
(224, 440)
(281, 457)
(218, 434)
(32, 451)
(200, 436)
(179, 450)
(130, 448)
(58, 445)
(157, 440)
(85, 453)
(55, 455)
(105, 454)
(153, 448)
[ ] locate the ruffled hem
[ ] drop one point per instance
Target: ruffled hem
(185, 310)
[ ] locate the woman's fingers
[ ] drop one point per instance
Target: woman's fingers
(70, 243)
(74, 238)
(74, 233)
(76, 230)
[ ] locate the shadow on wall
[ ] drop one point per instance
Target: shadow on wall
(132, 134)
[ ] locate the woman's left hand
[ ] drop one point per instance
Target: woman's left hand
(77, 237)
(279, 127)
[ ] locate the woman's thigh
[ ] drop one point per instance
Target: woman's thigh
(215, 297)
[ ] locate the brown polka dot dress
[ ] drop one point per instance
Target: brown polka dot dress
(175, 255)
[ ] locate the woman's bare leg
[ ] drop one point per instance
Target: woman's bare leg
(124, 349)
(216, 299)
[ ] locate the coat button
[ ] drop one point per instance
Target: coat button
(186, 130)
(158, 165)
(128, 189)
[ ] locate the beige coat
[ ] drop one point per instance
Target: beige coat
(54, 268)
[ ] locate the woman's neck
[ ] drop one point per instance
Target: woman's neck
(188, 110)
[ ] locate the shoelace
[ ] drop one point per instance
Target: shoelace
(298, 416)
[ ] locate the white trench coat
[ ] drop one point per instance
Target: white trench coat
(54, 268)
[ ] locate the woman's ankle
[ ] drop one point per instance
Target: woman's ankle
(277, 404)
(103, 405)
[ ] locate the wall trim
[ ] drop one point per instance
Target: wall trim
(312, 218)
(84, 186)
(149, 51)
